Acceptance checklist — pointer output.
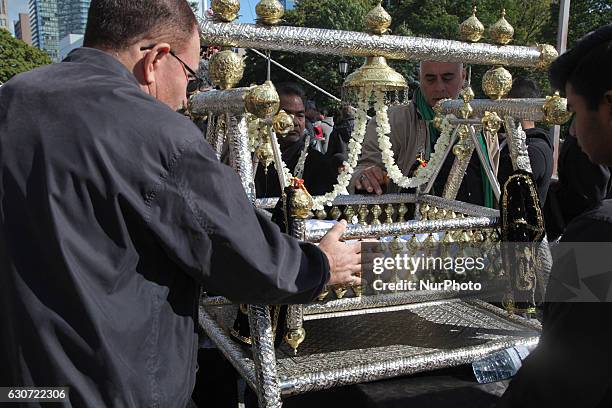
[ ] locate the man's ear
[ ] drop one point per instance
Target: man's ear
(152, 60)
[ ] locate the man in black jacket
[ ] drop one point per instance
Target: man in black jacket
(319, 171)
(114, 212)
(572, 365)
(582, 185)
(340, 136)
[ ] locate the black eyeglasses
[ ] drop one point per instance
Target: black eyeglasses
(194, 81)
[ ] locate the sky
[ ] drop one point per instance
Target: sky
(247, 10)
(14, 8)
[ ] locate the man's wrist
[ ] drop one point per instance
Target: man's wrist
(330, 260)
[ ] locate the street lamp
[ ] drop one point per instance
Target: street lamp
(343, 66)
(343, 70)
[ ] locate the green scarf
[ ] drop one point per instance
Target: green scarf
(487, 190)
(428, 115)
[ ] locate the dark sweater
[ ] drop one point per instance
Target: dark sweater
(320, 172)
(582, 185)
(572, 365)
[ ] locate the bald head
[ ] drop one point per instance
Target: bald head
(118, 24)
(441, 80)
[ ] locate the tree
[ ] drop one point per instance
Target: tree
(441, 19)
(585, 16)
(17, 56)
(320, 69)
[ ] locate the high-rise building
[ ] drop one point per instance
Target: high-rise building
(45, 26)
(4, 20)
(69, 43)
(72, 23)
(22, 28)
(72, 16)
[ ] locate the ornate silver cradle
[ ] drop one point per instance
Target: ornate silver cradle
(348, 336)
(352, 337)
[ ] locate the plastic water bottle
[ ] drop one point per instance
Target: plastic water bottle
(500, 365)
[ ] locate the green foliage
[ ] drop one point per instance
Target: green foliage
(441, 19)
(428, 18)
(17, 56)
(585, 16)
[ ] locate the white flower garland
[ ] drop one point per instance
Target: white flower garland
(354, 148)
(284, 169)
(299, 167)
(423, 174)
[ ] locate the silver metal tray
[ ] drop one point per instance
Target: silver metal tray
(378, 343)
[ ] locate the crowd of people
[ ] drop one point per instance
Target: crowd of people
(115, 213)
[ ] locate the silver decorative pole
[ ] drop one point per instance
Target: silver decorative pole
(335, 42)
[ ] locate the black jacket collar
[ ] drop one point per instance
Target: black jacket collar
(94, 56)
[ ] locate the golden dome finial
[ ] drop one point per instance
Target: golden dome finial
(555, 110)
(548, 54)
(262, 101)
(282, 122)
(378, 21)
(471, 29)
(269, 12)
(497, 82)
(301, 202)
(502, 32)
(225, 69)
(376, 74)
(225, 10)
